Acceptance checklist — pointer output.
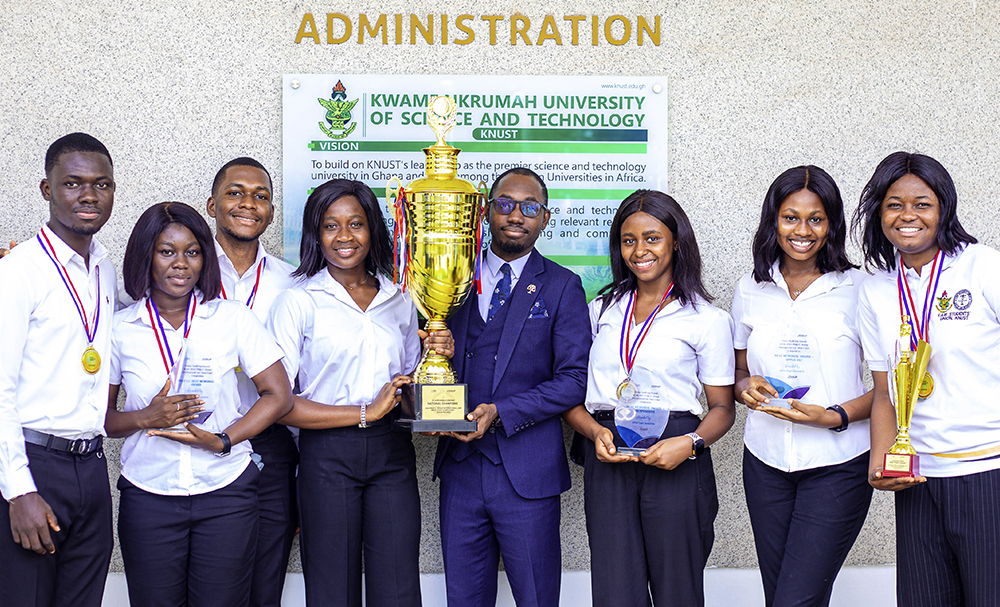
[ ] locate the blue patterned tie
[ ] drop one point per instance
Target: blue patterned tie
(500, 293)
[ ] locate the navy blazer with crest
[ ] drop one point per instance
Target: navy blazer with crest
(541, 371)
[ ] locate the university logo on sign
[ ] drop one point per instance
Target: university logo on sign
(338, 113)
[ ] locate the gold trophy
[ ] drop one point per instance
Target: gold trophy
(438, 235)
(905, 382)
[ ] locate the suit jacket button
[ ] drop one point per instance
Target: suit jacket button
(493, 430)
(469, 355)
(494, 357)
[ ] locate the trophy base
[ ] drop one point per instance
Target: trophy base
(628, 451)
(900, 465)
(435, 408)
(435, 425)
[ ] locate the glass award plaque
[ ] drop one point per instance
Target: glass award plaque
(639, 426)
(194, 373)
(790, 362)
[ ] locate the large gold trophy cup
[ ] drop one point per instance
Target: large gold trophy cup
(438, 234)
(906, 381)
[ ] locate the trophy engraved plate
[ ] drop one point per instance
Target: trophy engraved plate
(906, 378)
(438, 237)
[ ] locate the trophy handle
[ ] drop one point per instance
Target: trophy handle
(392, 194)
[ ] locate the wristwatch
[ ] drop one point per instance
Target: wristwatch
(227, 445)
(698, 444)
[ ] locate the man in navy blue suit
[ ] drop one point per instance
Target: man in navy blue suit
(522, 348)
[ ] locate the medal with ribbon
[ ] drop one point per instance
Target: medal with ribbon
(161, 335)
(919, 327)
(91, 360)
(628, 391)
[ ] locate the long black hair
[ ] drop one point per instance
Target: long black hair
(311, 260)
(138, 264)
(766, 250)
(688, 286)
(867, 221)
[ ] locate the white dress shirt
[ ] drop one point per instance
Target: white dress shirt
(341, 354)
(275, 278)
(826, 309)
(962, 415)
(42, 382)
(686, 346)
(490, 275)
(230, 333)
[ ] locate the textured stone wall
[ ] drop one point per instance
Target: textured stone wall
(176, 89)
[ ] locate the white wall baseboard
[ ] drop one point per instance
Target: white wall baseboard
(723, 587)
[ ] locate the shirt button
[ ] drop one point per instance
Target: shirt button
(788, 429)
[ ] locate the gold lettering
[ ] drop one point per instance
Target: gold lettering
(444, 29)
(607, 30)
(493, 26)
(416, 24)
(519, 25)
(654, 34)
(469, 34)
(329, 28)
(593, 29)
(307, 21)
(364, 25)
(399, 28)
(575, 20)
(549, 31)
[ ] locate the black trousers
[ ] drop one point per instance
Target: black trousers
(278, 514)
(195, 550)
(358, 495)
(650, 530)
(948, 542)
(804, 524)
(76, 488)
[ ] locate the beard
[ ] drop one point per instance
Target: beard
(239, 237)
(512, 248)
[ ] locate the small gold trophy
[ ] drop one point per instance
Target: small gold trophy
(906, 380)
(438, 234)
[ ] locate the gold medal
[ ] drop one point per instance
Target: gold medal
(91, 360)
(627, 392)
(926, 387)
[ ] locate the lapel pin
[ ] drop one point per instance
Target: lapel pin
(531, 288)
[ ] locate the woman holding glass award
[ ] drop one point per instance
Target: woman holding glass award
(798, 370)
(350, 336)
(649, 490)
(188, 509)
(936, 286)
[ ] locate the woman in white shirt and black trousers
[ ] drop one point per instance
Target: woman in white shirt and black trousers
(805, 460)
(657, 342)
(187, 520)
(933, 271)
(350, 338)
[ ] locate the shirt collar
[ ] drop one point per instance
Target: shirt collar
(323, 281)
(138, 312)
(946, 261)
(65, 254)
(825, 283)
(261, 253)
(494, 263)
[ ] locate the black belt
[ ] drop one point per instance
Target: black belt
(606, 415)
(80, 446)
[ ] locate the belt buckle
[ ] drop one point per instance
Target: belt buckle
(80, 446)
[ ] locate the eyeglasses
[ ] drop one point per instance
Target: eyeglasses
(529, 208)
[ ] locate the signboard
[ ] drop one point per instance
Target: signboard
(593, 139)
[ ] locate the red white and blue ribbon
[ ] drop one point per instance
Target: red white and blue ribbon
(480, 237)
(161, 334)
(399, 236)
(625, 352)
(253, 293)
(91, 331)
(907, 307)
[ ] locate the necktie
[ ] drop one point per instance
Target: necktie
(500, 293)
